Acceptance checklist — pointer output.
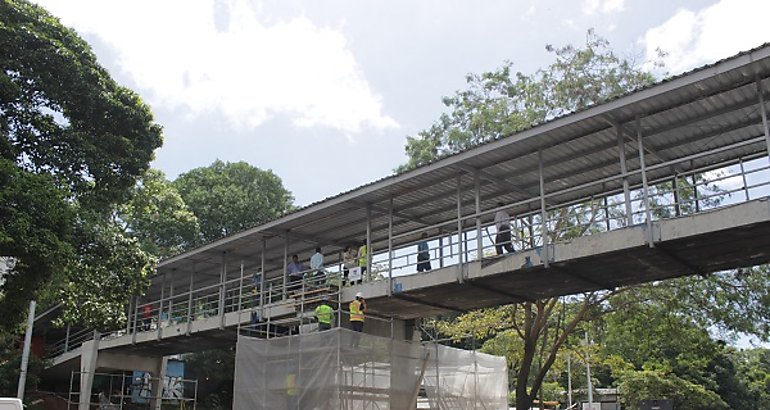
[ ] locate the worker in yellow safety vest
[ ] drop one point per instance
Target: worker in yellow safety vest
(362, 259)
(358, 313)
(324, 314)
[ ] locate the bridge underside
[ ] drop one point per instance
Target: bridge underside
(725, 238)
(729, 238)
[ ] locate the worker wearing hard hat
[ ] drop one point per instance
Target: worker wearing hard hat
(324, 314)
(358, 313)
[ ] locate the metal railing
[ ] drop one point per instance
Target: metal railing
(133, 390)
(472, 238)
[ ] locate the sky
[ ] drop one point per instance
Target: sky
(324, 93)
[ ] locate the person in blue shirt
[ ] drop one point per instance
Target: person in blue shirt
(423, 254)
(294, 269)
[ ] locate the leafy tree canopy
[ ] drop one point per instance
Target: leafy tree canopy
(230, 197)
(531, 335)
(501, 102)
(157, 216)
(72, 143)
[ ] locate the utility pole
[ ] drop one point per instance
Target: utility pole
(588, 376)
(25, 351)
(569, 379)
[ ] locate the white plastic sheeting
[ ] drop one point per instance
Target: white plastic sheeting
(342, 369)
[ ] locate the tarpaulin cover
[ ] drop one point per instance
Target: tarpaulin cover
(342, 369)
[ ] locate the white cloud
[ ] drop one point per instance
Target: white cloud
(693, 38)
(591, 7)
(232, 63)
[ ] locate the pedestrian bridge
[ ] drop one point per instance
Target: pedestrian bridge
(666, 181)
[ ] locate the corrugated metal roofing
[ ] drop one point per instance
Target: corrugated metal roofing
(710, 107)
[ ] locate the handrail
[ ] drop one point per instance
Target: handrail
(682, 193)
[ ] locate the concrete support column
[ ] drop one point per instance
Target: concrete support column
(157, 386)
(88, 354)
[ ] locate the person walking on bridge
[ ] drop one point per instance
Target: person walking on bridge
(503, 226)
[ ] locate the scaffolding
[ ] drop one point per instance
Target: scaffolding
(346, 370)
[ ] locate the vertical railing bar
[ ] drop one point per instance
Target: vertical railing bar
(190, 302)
(171, 297)
(240, 300)
(368, 243)
(262, 281)
(645, 188)
(285, 264)
(695, 192)
(763, 111)
(390, 246)
(677, 197)
(743, 176)
(624, 172)
(461, 277)
(160, 305)
(477, 200)
(440, 249)
(543, 215)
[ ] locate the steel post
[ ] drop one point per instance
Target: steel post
(222, 289)
(645, 188)
(624, 172)
(285, 263)
(128, 315)
(136, 320)
(745, 182)
(477, 200)
(25, 351)
(160, 306)
(677, 197)
(543, 214)
(240, 299)
(694, 182)
(171, 297)
(460, 252)
(190, 301)
(390, 246)
(67, 338)
(763, 110)
(368, 243)
(440, 249)
(262, 281)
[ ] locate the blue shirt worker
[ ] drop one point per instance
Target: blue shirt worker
(294, 270)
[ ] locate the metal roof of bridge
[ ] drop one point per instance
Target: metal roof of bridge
(713, 106)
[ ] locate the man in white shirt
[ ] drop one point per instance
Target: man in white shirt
(503, 226)
(317, 265)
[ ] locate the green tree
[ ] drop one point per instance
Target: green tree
(662, 326)
(230, 197)
(646, 384)
(499, 103)
(753, 368)
(157, 216)
(72, 143)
